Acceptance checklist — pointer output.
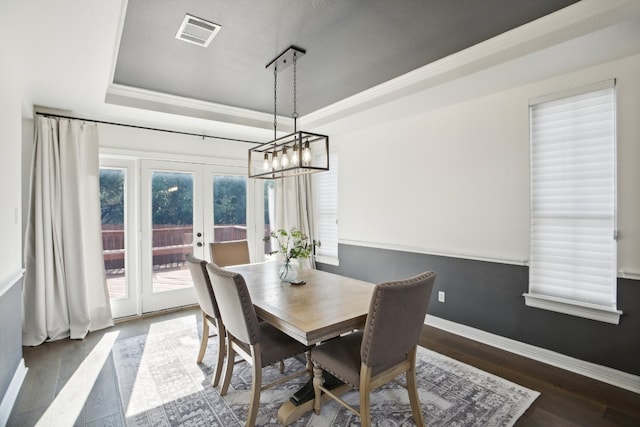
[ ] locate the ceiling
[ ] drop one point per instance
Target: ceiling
(118, 60)
(350, 45)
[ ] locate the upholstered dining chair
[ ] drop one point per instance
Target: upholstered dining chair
(233, 252)
(383, 350)
(209, 310)
(258, 343)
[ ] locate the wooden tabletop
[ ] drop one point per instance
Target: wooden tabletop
(325, 307)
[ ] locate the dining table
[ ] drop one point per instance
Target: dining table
(321, 306)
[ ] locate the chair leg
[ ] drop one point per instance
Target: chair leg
(365, 409)
(256, 386)
(413, 391)
(205, 337)
(229, 362)
(221, 353)
(365, 396)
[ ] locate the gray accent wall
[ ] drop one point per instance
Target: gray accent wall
(488, 296)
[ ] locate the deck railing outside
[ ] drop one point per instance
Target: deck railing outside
(170, 243)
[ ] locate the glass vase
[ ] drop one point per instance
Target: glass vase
(287, 272)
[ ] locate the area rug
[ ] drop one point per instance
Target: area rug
(161, 384)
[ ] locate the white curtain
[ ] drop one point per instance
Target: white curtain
(294, 207)
(65, 293)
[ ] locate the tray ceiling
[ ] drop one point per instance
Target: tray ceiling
(350, 45)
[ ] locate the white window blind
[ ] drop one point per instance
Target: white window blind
(326, 211)
(573, 186)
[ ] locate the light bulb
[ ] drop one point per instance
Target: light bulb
(306, 154)
(274, 160)
(285, 158)
(265, 164)
(295, 156)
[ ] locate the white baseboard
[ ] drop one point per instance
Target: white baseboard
(581, 367)
(11, 395)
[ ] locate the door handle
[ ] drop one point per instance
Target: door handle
(199, 244)
(199, 234)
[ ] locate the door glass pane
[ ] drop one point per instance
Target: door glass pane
(229, 208)
(172, 229)
(112, 182)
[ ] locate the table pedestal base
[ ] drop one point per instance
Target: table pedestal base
(289, 413)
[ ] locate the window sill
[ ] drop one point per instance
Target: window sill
(574, 308)
(323, 259)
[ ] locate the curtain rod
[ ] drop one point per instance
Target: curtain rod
(203, 136)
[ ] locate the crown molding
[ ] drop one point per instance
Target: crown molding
(164, 103)
(566, 24)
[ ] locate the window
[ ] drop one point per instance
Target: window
(119, 232)
(326, 212)
(573, 266)
(112, 208)
(229, 208)
(269, 201)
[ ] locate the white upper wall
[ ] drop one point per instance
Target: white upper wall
(150, 144)
(455, 180)
(10, 165)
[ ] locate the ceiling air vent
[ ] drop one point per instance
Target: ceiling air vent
(197, 31)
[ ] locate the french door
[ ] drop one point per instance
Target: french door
(118, 205)
(172, 225)
(174, 208)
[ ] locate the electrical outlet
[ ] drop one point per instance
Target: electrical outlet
(441, 296)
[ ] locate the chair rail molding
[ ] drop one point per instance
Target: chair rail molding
(436, 252)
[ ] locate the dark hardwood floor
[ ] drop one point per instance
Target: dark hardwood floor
(566, 399)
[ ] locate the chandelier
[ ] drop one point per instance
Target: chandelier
(298, 153)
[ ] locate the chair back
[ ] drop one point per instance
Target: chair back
(234, 302)
(202, 284)
(234, 252)
(396, 316)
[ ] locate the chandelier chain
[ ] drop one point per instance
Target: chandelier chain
(295, 86)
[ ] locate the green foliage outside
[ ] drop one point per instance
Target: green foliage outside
(230, 196)
(172, 198)
(112, 196)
